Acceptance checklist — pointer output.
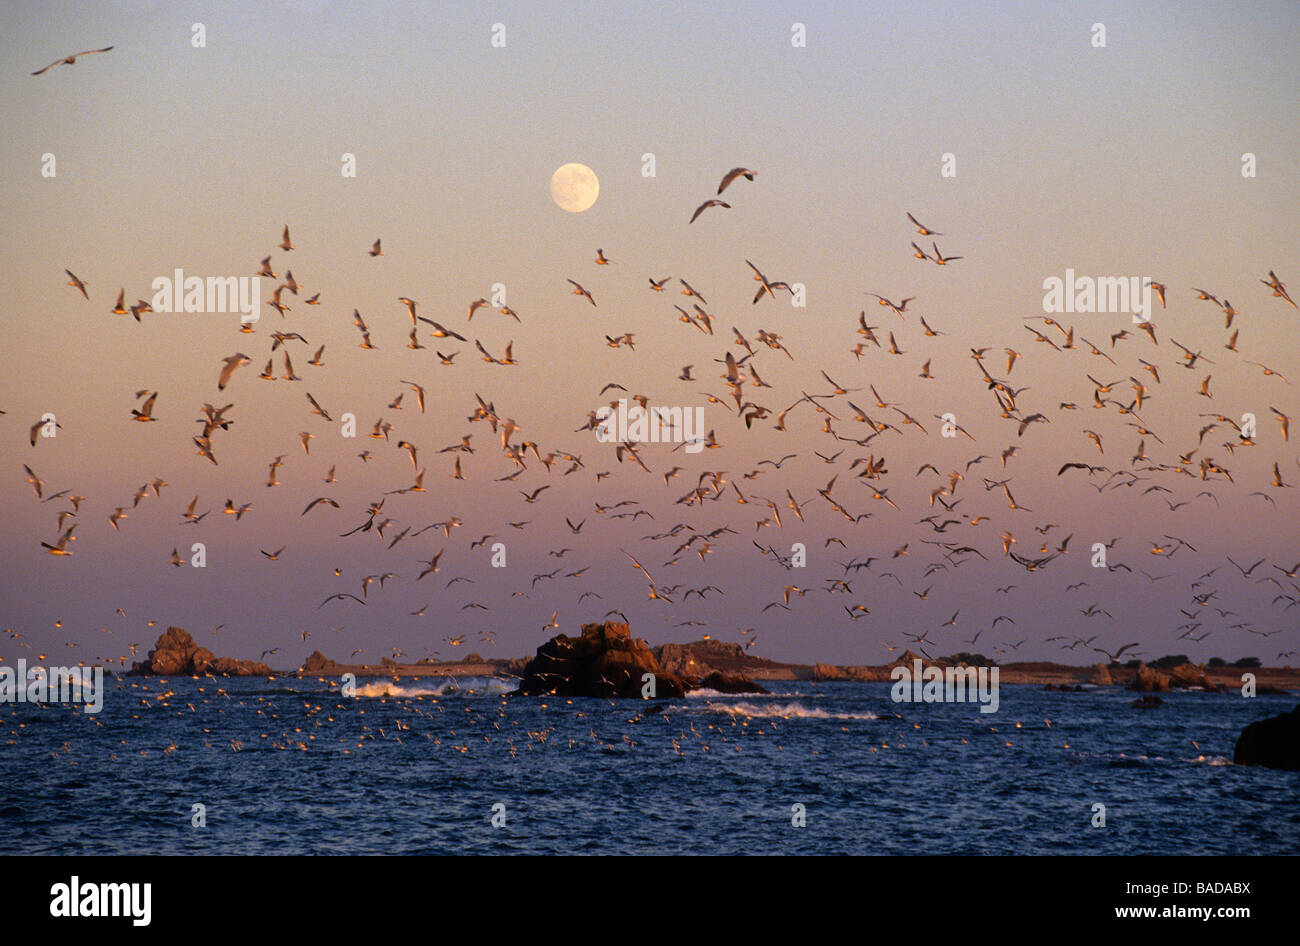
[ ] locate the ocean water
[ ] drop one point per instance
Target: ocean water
(289, 766)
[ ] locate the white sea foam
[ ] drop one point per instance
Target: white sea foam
(476, 685)
(785, 711)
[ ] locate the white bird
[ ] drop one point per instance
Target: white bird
(231, 363)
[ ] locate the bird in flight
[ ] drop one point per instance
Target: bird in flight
(922, 228)
(1278, 287)
(339, 596)
(579, 291)
(1114, 658)
(939, 257)
(734, 173)
(231, 363)
(706, 205)
(76, 283)
(145, 414)
(61, 546)
(71, 60)
(900, 308)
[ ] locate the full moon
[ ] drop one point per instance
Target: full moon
(574, 187)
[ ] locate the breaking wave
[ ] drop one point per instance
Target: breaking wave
(785, 711)
(467, 686)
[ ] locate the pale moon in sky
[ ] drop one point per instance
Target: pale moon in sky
(575, 187)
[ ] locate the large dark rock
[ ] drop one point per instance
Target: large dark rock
(318, 663)
(605, 661)
(175, 653)
(730, 683)
(1273, 743)
(1150, 701)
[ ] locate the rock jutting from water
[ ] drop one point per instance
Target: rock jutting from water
(1273, 743)
(607, 661)
(175, 653)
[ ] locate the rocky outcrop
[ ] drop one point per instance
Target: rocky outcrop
(1189, 675)
(1101, 676)
(830, 672)
(318, 663)
(698, 658)
(1182, 677)
(1273, 743)
(1147, 680)
(836, 672)
(675, 658)
(175, 653)
(730, 683)
(606, 661)
(909, 658)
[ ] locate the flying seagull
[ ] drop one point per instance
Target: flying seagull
(76, 283)
(922, 228)
(578, 290)
(71, 60)
(231, 363)
(706, 205)
(734, 173)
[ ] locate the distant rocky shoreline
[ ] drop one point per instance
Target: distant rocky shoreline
(176, 653)
(605, 660)
(698, 659)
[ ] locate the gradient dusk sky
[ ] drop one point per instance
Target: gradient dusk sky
(1117, 161)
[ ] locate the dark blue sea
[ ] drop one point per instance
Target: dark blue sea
(288, 766)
